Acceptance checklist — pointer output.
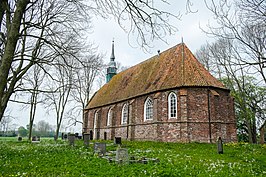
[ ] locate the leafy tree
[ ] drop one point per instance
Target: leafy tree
(244, 23)
(250, 107)
(22, 131)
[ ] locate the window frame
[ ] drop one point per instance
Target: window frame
(124, 115)
(109, 117)
(96, 115)
(170, 105)
(148, 100)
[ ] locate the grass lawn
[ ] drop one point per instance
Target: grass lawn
(49, 158)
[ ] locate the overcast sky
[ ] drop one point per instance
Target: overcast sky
(188, 29)
(107, 30)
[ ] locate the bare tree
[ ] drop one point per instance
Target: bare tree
(84, 74)
(30, 28)
(60, 88)
(5, 123)
(33, 81)
(34, 32)
(204, 55)
(244, 22)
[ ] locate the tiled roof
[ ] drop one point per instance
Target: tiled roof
(173, 68)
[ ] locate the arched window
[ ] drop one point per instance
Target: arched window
(95, 123)
(109, 117)
(148, 109)
(124, 114)
(172, 105)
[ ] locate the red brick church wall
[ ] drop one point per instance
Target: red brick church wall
(203, 115)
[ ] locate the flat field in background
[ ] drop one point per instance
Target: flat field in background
(50, 158)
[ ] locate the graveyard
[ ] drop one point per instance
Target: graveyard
(130, 158)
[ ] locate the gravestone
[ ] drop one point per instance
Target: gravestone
(62, 136)
(91, 135)
(65, 136)
(118, 140)
(19, 138)
(86, 139)
(71, 139)
(33, 138)
(122, 156)
(220, 146)
(105, 136)
(100, 148)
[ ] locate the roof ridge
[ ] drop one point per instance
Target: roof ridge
(183, 64)
(197, 66)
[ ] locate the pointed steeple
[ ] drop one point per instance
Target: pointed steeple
(113, 52)
(111, 70)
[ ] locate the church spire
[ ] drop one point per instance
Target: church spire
(113, 52)
(111, 69)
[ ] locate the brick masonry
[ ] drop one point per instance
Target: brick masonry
(203, 115)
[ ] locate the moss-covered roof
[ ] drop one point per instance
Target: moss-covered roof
(175, 67)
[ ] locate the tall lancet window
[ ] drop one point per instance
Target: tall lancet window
(148, 109)
(95, 124)
(109, 117)
(172, 105)
(124, 114)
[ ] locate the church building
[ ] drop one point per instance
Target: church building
(170, 97)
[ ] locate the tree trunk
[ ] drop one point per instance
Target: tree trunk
(12, 38)
(252, 134)
(30, 130)
(57, 132)
(32, 111)
(262, 131)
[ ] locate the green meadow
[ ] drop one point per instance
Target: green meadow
(50, 158)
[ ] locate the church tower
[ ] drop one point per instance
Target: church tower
(111, 70)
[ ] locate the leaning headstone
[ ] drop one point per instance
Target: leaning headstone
(100, 148)
(71, 139)
(118, 140)
(19, 138)
(220, 146)
(122, 156)
(86, 139)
